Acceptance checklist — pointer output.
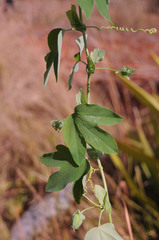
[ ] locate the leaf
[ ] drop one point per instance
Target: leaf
(69, 171)
(103, 232)
(96, 137)
(75, 22)
(55, 44)
(78, 188)
(94, 153)
(103, 6)
(102, 197)
(74, 69)
(99, 193)
(81, 97)
(49, 58)
(80, 43)
(97, 55)
(96, 114)
(87, 6)
(73, 140)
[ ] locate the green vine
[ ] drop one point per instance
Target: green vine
(85, 140)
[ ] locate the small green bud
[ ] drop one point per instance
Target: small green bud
(77, 57)
(125, 71)
(77, 219)
(91, 67)
(57, 125)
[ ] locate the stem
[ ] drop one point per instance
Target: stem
(98, 206)
(87, 56)
(94, 27)
(110, 69)
(100, 216)
(104, 183)
(88, 209)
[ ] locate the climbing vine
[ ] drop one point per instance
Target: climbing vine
(85, 141)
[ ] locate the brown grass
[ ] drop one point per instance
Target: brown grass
(26, 107)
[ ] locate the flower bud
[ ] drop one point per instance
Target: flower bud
(57, 125)
(77, 219)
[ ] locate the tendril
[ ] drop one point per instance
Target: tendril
(122, 29)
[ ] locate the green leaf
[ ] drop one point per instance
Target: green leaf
(74, 69)
(73, 140)
(97, 55)
(96, 114)
(103, 6)
(102, 197)
(87, 6)
(49, 58)
(81, 97)
(99, 193)
(78, 188)
(55, 38)
(75, 22)
(69, 171)
(94, 153)
(96, 137)
(103, 232)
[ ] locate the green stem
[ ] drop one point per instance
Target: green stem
(104, 183)
(88, 209)
(87, 56)
(110, 69)
(93, 27)
(98, 206)
(100, 216)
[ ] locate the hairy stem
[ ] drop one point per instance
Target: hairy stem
(104, 183)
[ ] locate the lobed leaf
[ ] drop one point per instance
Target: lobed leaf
(96, 114)
(69, 171)
(74, 141)
(96, 137)
(78, 188)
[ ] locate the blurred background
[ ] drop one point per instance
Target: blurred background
(26, 108)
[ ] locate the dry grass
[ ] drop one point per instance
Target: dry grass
(26, 107)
